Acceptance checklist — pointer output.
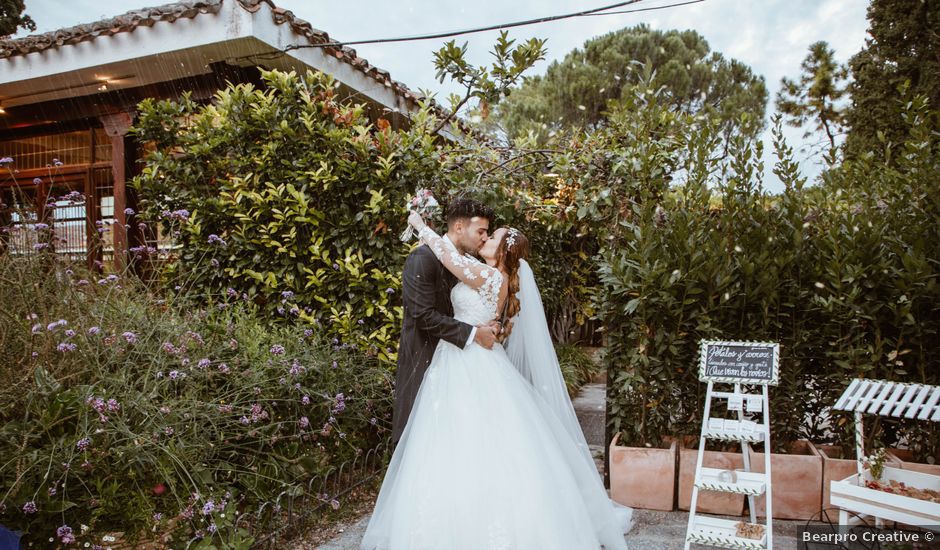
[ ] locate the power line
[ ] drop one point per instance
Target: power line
(584, 13)
(651, 8)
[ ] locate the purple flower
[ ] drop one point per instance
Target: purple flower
(157, 517)
(212, 528)
(361, 322)
(41, 226)
(373, 421)
(70, 333)
(168, 347)
(215, 239)
(66, 347)
(390, 291)
(277, 349)
(83, 444)
(94, 330)
(37, 328)
(244, 420)
(335, 364)
(335, 266)
(56, 162)
(130, 337)
(30, 507)
(223, 368)
(203, 363)
(65, 534)
(168, 430)
(6, 160)
(304, 422)
(225, 408)
(214, 263)
(112, 277)
(305, 400)
(54, 324)
(113, 405)
(231, 292)
(129, 212)
(308, 333)
(296, 369)
(208, 508)
(335, 504)
(174, 374)
(287, 295)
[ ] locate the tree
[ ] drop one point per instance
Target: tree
(816, 95)
(579, 90)
(12, 17)
(904, 47)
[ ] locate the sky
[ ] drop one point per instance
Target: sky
(771, 36)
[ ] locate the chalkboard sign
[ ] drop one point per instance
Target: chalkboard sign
(739, 362)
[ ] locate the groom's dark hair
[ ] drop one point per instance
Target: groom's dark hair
(464, 208)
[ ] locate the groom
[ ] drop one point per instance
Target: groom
(426, 286)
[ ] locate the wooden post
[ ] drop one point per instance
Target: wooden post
(116, 127)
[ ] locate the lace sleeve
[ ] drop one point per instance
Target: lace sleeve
(473, 273)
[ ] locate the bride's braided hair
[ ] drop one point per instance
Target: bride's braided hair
(513, 247)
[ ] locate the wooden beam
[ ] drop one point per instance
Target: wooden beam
(116, 127)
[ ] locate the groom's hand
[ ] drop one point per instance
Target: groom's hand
(485, 336)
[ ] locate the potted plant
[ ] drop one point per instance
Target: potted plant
(643, 477)
(907, 460)
(796, 481)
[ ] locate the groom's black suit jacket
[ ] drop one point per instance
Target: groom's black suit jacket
(428, 318)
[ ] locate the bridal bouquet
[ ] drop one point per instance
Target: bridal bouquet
(423, 203)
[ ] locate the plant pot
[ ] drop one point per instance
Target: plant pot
(905, 459)
(643, 477)
(796, 481)
(709, 502)
(836, 467)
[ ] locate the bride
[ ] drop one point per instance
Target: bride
(490, 457)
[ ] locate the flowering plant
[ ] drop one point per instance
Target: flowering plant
(423, 203)
(876, 462)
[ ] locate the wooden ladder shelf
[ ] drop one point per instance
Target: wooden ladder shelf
(719, 532)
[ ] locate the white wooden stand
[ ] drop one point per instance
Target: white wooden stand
(891, 399)
(756, 365)
(722, 532)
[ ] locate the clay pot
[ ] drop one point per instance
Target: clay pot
(709, 502)
(796, 481)
(643, 477)
(905, 458)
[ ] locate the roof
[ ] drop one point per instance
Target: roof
(190, 9)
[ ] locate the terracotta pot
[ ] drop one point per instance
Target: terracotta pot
(709, 502)
(905, 458)
(796, 481)
(643, 477)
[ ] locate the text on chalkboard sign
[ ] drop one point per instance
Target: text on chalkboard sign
(743, 362)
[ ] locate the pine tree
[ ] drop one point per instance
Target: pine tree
(578, 90)
(904, 47)
(816, 94)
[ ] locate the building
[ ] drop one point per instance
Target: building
(68, 98)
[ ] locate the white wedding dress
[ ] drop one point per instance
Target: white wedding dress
(483, 462)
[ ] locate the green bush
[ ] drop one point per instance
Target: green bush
(577, 367)
(129, 411)
(843, 276)
(288, 189)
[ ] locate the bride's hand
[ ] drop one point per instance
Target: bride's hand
(416, 220)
